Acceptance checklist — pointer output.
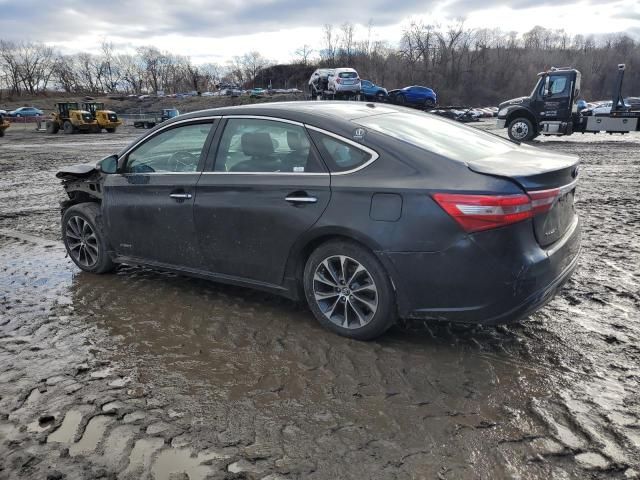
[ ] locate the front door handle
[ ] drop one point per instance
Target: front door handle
(180, 196)
(300, 199)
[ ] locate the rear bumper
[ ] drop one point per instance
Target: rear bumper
(347, 88)
(490, 278)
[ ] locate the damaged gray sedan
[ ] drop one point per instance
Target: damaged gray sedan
(368, 212)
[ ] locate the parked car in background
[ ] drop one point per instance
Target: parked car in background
(25, 112)
(415, 96)
(415, 217)
(372, 91)
(319, 81)
(344, 80)
(257, 93)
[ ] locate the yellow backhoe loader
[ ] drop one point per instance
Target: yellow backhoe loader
(71, 119)
(106, 119)
(4, 124)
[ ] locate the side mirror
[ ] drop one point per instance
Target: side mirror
(108, 164)
(546, 92)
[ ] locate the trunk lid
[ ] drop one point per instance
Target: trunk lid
(548, 178)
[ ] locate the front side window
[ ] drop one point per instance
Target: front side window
(252, 145)
(174, 150)
(340, 156)
(557, 85)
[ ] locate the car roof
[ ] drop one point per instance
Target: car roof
(311, 112)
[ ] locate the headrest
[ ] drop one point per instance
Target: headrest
(294, 141)
(256, 144)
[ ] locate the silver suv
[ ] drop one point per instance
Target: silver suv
(344, 80)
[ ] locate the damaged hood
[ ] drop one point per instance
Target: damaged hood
(79, 170)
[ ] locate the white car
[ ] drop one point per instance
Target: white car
(344, 80)
(319, 80)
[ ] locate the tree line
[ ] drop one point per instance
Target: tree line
(464, 65)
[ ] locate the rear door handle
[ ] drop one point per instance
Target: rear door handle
(180, 196)
(300, 199)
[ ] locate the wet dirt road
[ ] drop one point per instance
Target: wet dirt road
(143, 374)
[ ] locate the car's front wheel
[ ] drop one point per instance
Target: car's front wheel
(349, 291)
(84, 238)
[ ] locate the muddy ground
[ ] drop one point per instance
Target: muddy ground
(141, 374)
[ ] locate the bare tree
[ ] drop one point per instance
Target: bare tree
(303, 54)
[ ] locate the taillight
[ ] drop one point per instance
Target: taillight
(542, 200)
(337, 80)
(475, 213)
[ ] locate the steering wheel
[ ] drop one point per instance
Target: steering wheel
(183, 162)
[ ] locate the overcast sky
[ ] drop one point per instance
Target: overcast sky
(218, 30)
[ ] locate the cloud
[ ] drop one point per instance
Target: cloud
(60, 20)
(464, 7)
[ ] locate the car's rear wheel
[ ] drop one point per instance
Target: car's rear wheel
(401, 100)
(84, 238)
(348, 290)
(380, 96)
(429, 103)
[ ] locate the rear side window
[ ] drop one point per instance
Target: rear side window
(340, 156)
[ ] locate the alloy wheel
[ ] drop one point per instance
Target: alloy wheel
(345, 292)
(520, 130)
(82, 241)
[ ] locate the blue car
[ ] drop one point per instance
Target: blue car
(25, 112)
(372, 91)
(414, 96)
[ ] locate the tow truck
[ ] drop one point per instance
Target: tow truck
(552, 109)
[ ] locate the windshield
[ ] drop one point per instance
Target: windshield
(438, 135)
(538, 84)
(347, 74)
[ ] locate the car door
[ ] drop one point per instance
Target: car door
(148, 205)
(265, 186)
(556, 104)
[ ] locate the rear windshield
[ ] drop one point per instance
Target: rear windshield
(438, 135)
(347, 74)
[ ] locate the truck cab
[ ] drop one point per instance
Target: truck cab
(550, 109)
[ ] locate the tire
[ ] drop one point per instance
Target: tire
(52, 127)
(84, 238)
(111, 130)
(68, 128)
(521, 130)
(380, 96)
(370, 312)
(400, 100)
(1, 132)
(429, 104)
